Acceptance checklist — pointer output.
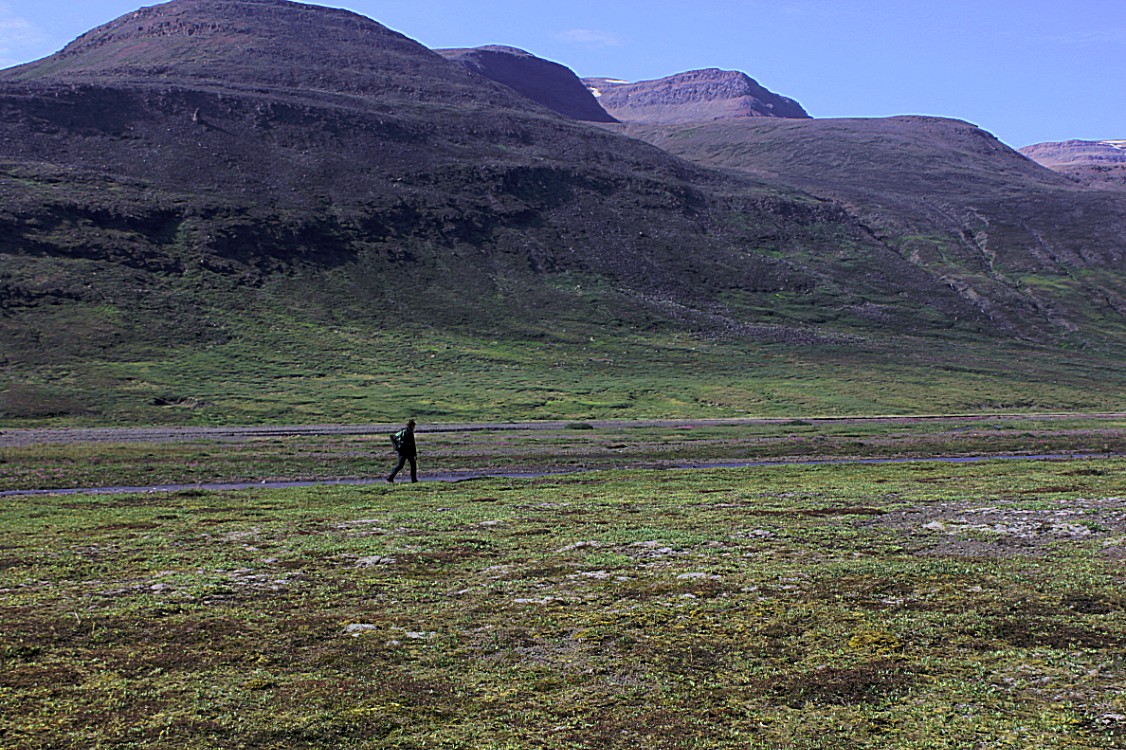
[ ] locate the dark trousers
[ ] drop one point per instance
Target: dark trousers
(403, 458)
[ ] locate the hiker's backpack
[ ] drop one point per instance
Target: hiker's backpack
(398, 438)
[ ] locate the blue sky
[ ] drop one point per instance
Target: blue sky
(1026, 70)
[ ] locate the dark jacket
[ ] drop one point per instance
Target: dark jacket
(407, 447)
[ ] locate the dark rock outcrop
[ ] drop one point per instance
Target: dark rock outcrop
(553, 85)
(695, 96)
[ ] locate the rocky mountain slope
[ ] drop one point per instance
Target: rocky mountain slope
(1023, 241)
(239, 154)
(695, 96)
(193, 158)
(196, 177)
(1095, 163)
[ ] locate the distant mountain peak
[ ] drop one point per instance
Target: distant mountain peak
(215, 29)
(1101, 163)
(693, 96)
(548, 83)
(1056, 153)
(272, 44)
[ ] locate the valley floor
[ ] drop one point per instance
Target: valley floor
(913, 606)
(45, 459)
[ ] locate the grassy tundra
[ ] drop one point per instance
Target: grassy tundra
(123, 458)
(918, 605)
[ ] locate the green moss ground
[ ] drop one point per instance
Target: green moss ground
(313, 374)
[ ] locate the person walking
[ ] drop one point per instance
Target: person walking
(403, 442)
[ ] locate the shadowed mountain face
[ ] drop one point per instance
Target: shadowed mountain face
(204, 156)
(696, 96)
(550, 84)
(1095, 163)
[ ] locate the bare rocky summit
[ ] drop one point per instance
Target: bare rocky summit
(548, 83)
(695, 96)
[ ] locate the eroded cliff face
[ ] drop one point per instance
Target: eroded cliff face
(695, 96)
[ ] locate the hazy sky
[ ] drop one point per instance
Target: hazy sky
(1025, 70)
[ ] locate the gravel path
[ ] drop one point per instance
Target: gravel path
(467, 475)
(17, 437)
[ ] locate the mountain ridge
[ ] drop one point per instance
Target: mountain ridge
(693, 96)
(1094, 163)
(173, 209)
(261, 44)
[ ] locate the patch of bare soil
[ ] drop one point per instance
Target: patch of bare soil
(1002, 530)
